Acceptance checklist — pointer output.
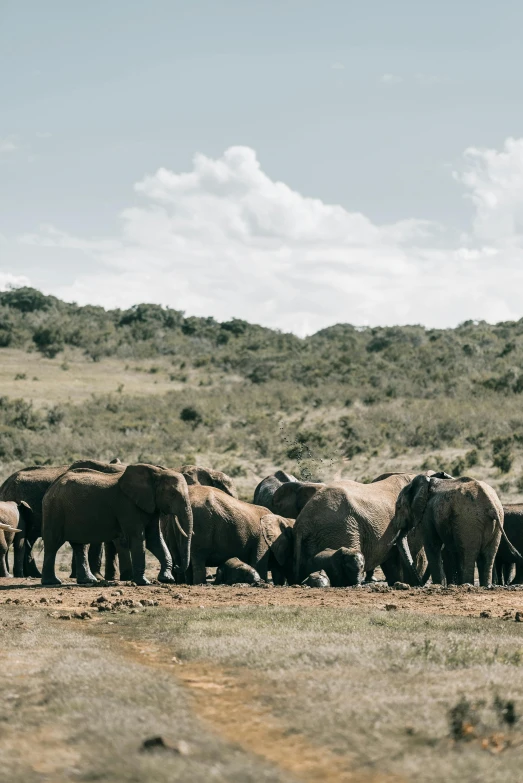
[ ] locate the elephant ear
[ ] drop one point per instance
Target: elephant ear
(278, 535)
(305, 493)
(137, 482)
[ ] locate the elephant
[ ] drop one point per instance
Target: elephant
(30, 485)
(207, 477)
(463, 515)
(225, 527)
(317, 579)
(235, 571)
(292, 497)
(357, 516)
(343, 566)
(10, 515)
(506, 570)
(265, 490)
(89, 506)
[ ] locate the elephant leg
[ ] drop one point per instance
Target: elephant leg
(450, 565)
(433, 552)
(72, 575)
(485, 565)
(509, 572)
(369, 576)
(4, 570)
(156, 545)
(125, 566)
(30, 567)
(95, 560)
(110, 561)
(467, 562)
(18, 555)
(497, 573)
(137, 546)
(48, 569)
(84, 576)
(197, 566)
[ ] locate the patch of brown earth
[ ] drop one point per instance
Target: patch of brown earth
(456, 601)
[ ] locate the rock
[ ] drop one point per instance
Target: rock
(83, 615)
(400, 586)
(519, 617)
(485, 614)
(158, 743)
(64, 616)
(44, 600)
(391, 607)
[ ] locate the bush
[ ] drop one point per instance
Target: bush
(502, 457)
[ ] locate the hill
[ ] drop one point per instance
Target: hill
(151, 383)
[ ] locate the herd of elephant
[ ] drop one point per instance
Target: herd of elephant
(414, 527)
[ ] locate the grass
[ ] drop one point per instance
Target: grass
(378, 688)
(74, 708)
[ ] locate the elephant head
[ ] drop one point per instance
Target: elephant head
(410, 507)
(278, 536)
(165, 492)
(291, 497)
(353, 565)
(208, 477)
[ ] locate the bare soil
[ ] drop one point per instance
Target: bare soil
(466, 601)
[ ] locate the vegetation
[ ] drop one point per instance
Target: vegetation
(249, 398)
(295, 693)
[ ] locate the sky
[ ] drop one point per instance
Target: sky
(296, 163)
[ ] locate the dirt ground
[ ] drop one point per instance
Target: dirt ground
(465, 601)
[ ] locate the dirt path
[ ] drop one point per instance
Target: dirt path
(231, 703)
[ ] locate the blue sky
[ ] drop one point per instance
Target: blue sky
(366, 108)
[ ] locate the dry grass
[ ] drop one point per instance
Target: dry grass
(75, 708)
(375, 688)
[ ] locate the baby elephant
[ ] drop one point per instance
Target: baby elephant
(234, 571)
(317, 579)
(344, 567)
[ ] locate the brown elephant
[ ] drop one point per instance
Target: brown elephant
(292, 497)
(265, 490)
(207, 477)
(10, 515)
(225, 527)
(344, 567)
(30, 485)
(234, 571)
(357, 516)
(89, 506)
(463, 515)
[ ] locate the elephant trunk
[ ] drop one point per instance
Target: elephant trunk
(182, 521)
(406, 558)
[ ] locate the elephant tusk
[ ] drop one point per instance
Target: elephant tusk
(180, 528)
(9, 529)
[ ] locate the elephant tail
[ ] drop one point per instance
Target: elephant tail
(518, 558)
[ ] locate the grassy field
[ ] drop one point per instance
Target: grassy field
(60, 409)
(261, 693)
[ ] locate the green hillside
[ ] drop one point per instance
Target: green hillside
(152, 383)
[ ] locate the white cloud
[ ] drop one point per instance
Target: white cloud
(391, 78)
(7, 144)
(224, 239)
(7, 280)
